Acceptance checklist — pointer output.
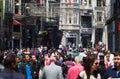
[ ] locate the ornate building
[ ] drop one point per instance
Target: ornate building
(83, 21)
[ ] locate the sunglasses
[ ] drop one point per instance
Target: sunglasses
(96, 63)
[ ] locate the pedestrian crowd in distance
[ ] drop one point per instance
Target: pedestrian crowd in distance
(61, 63)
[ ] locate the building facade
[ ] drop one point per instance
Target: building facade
(29, 23)
(83, 22)
(114, 26)
(2, 13)
(70, 21)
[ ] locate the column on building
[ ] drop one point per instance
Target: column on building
(93, 37)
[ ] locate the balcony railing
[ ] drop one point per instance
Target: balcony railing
(86, 7)
(69, 27)
(72, 6)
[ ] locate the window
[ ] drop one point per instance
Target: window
(99, 3)
(85, 2)
(98, 35)
(86, 21)
(16, 1)
(75, 1)
(90, 2)
(104, 2)
(65, 0)
(16, 43)
(16, 9)
(16, 28)
(81, 2)
(75, 18)
(70, 18)
(99, 16)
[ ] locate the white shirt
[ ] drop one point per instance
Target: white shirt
(83, 75)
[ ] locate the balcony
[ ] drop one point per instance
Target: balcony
(70, 6)
(17, 35)
(69, 27)
(100, 8)
(88, 7)
(34, 9)
(100, 24)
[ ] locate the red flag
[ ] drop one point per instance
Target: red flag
(118, 26)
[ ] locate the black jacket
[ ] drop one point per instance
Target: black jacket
(11, 74)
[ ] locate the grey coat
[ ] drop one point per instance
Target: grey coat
(52, 72)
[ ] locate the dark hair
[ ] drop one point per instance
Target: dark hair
(117, 53)
(88, 62)
(23, 55)
(10, 58)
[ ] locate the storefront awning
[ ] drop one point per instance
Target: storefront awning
(15, 22)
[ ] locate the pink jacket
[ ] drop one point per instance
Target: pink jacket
(74, 71)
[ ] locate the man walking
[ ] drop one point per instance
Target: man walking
(74, 71)
(11, 63)
(35, 66)
(114, 70)
(52, 71)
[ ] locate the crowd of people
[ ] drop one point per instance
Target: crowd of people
(61, 63)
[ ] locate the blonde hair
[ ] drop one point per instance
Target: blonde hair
(78, 59)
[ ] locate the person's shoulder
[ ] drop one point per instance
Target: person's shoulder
(8, 73)
(18, 75)
(82, 74)
(111, 68)
(57, 66)
(45, 67)
(71, 68)
(5, 72)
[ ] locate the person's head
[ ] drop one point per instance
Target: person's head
(108, 56)
(91, 64)
(52, 59)
(11, 61)
(78, 59)
(108, 52)
(26, 57)
(33, 58)
(49, 54)
(117, 59)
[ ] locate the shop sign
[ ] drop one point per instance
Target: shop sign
(71, 35)
(86, 30)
